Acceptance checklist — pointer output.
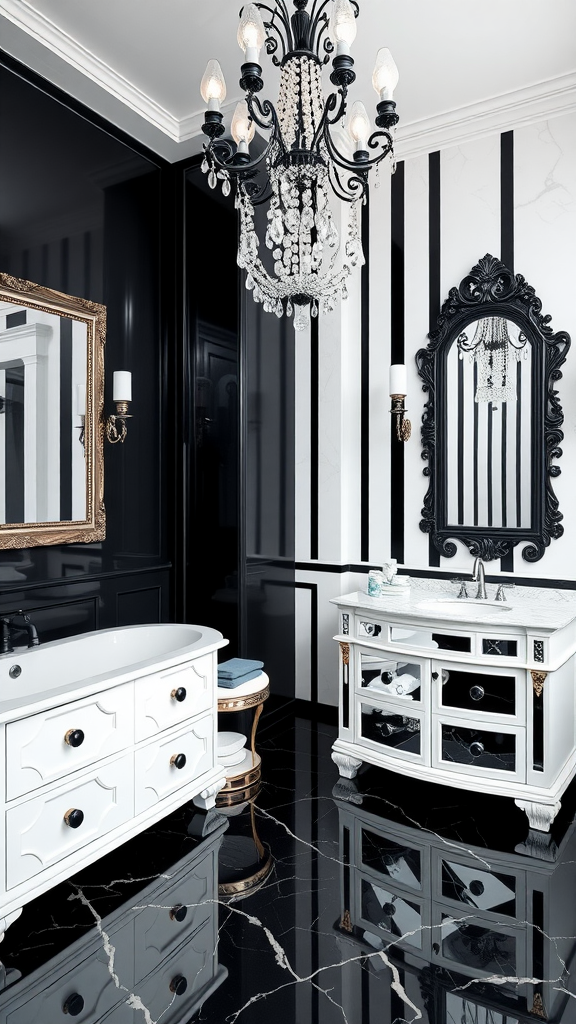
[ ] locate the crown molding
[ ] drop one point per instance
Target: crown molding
(503, 113)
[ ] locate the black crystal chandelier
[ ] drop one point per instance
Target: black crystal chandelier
(301, 166)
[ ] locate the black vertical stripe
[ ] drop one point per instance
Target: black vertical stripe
(518, 444)
(283, 439)
(87, 263)
(504, 458)
(365, 390)
(489, 464)
(434, 301)
(313, 588)
(475, 456)
(507, 257)
(314, 433)
(397, 348)
(65, 418)
(460, 442)
(14, 444)
(64, 264)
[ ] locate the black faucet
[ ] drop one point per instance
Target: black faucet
(7, 623)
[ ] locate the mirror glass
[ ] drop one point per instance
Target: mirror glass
(51, 397)
(489, 425)
(42, 407)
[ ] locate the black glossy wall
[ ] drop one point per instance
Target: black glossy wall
(80, 211)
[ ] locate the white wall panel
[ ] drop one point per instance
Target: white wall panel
(379, 415)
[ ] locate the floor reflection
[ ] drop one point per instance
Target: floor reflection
(323, 901)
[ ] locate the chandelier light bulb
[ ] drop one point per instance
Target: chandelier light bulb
(385, 75)
(343, 26)
(359, 125)
(251, 33)
(213, 86)
(243, 127)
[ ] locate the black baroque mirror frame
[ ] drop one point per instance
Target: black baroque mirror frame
(495, 303)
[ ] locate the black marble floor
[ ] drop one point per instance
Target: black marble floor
(325, 901)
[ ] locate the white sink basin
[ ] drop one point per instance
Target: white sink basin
(464, 605)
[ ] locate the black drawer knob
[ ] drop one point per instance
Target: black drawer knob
(476, 692)
(179, 912)
(476, 887)
(435, 675)
(73, 1005)
(74, 817)
(178, 985)
(74, 737)
(179, 694)
(476, 748)
(178, 760)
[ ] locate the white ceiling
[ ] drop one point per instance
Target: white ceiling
(139, 62)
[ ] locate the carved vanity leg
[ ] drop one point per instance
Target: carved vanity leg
(206, 799)
(347, 765)
(540, 816)
(5, 922)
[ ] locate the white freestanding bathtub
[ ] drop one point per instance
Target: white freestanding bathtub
(104, 734)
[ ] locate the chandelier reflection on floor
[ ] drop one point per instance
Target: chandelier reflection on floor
(301, 166)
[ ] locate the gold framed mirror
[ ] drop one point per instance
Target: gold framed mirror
(51, 424)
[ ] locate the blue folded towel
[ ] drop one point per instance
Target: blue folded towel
(236, 671)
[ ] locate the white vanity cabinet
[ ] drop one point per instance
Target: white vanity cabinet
(486, 704)
(82, 772)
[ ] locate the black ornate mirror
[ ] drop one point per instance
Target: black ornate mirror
(491, 427)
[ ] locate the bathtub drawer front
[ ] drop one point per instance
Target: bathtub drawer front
(174, 991)
(156, 764)
(41, 749)
(171, 917)
(37, 834)
(167, 698)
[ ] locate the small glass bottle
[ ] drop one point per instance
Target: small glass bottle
(375, 582)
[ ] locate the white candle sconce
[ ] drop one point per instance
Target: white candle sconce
(398, 391)
(116, 427)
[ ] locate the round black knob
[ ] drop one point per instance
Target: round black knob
(389, 909)
(74, 817)
(476, 692)
(434, 675)
(178, 760)
(476, 748)
(476, 887)
(74, 737)
(178, 985)
(73, 1005)
(179, 694)
(179, 912)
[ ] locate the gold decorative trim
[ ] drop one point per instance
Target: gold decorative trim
(538, 1007)
(345, 652)
(93, 315)
(346, 922)
(231, 797)
(243, 703)
(538, 681)
(247, 885)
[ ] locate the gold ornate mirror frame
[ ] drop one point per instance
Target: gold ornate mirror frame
(93, 315)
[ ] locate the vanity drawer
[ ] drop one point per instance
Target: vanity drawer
(49, 746)
(392, 859)
(37, 833)
(470, 749)
(478, 691)
(173, 761)
(167, 698)
(173, 993)
(399, 679)
(478, 947)
(391, 914)
(396, 732)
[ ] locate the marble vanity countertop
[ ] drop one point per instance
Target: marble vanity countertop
(532, 608)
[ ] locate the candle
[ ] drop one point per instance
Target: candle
(122, 386)
(398, 379)
(81, 399)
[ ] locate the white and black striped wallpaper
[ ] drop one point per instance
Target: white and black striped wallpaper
(359, 493)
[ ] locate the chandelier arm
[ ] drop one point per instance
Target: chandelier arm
(325, 120)
(373, 141)
(225, 162)
(260, 111)
(279, 13)
(356, 187)
(351, 165)
(318, 17)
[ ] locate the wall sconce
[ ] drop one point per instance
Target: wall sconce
(398, 391)
(116, 429)
(81, 412)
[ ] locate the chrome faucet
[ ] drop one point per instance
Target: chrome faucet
(8, 627)
(478, 575)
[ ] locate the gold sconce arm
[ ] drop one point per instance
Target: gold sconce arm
(116, 427)
(403, 425)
